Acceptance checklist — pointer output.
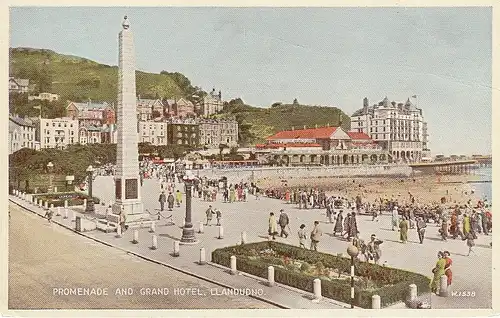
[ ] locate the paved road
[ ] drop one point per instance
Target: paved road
(52, 257)
(471, 274)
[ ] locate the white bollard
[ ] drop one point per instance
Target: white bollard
(65, 213)
(413, 292)
(176, 248)
(221, 233)
(58, 211)
(234, 271)
(270, 276)
(243, 237)
(153, 227)
(154, 245)
(65, 203)
(119, 231)
(52, 206)
(85, 203)
(15, 192)
(375, 302)
(443, 290)
(136, 237)
(55, 189)
(202, 256)
(317, 289)
(200, 230)
(46, 205)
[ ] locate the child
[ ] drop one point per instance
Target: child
(470, 242)
(302, 236)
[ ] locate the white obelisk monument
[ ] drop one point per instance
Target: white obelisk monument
(127, 185)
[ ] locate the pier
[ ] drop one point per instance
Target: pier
(445, 167)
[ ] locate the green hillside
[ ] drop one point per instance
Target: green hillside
(78, 79)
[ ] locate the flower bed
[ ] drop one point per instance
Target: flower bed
(58, 199)
(298, 267)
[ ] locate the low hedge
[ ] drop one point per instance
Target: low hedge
(392, 284)
(58, 198)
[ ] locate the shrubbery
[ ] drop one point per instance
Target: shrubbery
(58, 198)
(390, 284)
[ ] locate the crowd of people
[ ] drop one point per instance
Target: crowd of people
(454, 221)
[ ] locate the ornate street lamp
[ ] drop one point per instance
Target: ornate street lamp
(50, 166)
(90, 202)
(188, 236)
(353, 252)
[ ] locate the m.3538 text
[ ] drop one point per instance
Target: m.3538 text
(463, 293)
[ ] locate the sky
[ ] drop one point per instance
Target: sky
(321, 56)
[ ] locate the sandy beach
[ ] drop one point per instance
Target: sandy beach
(426, 189)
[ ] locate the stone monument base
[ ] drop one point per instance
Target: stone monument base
(134, 212)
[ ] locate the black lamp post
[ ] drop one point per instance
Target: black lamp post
(188, 236)
(353, 252)
(90, 202)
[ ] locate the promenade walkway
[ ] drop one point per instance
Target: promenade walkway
(470, 273)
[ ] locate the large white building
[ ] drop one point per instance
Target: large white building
(153, 132)
(57, 132)
(398, 127)
(215, 132)
(21, 134)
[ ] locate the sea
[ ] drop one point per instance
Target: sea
(483, 188)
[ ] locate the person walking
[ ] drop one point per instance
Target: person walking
(218, 215)
(373, 249)
(49, 215)
(170, 201)
(232, 194)
(315, 236)
(208, 214)
(466, 226)
(421, 225)
(353, 226)
(162, 199)
(444, 228)
(470, 242)
(123, 219)
(395, 217)
(447, 267)
(484, 222)
(272, 229)
(302, 236)
(329, 211)
(178, 198)
(283, 222)
(338, 224)
(403, 230)
(438, 271)
(473, 224)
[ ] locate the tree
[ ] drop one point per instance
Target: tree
(295, 102)
(221, 149)
(276, 104)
